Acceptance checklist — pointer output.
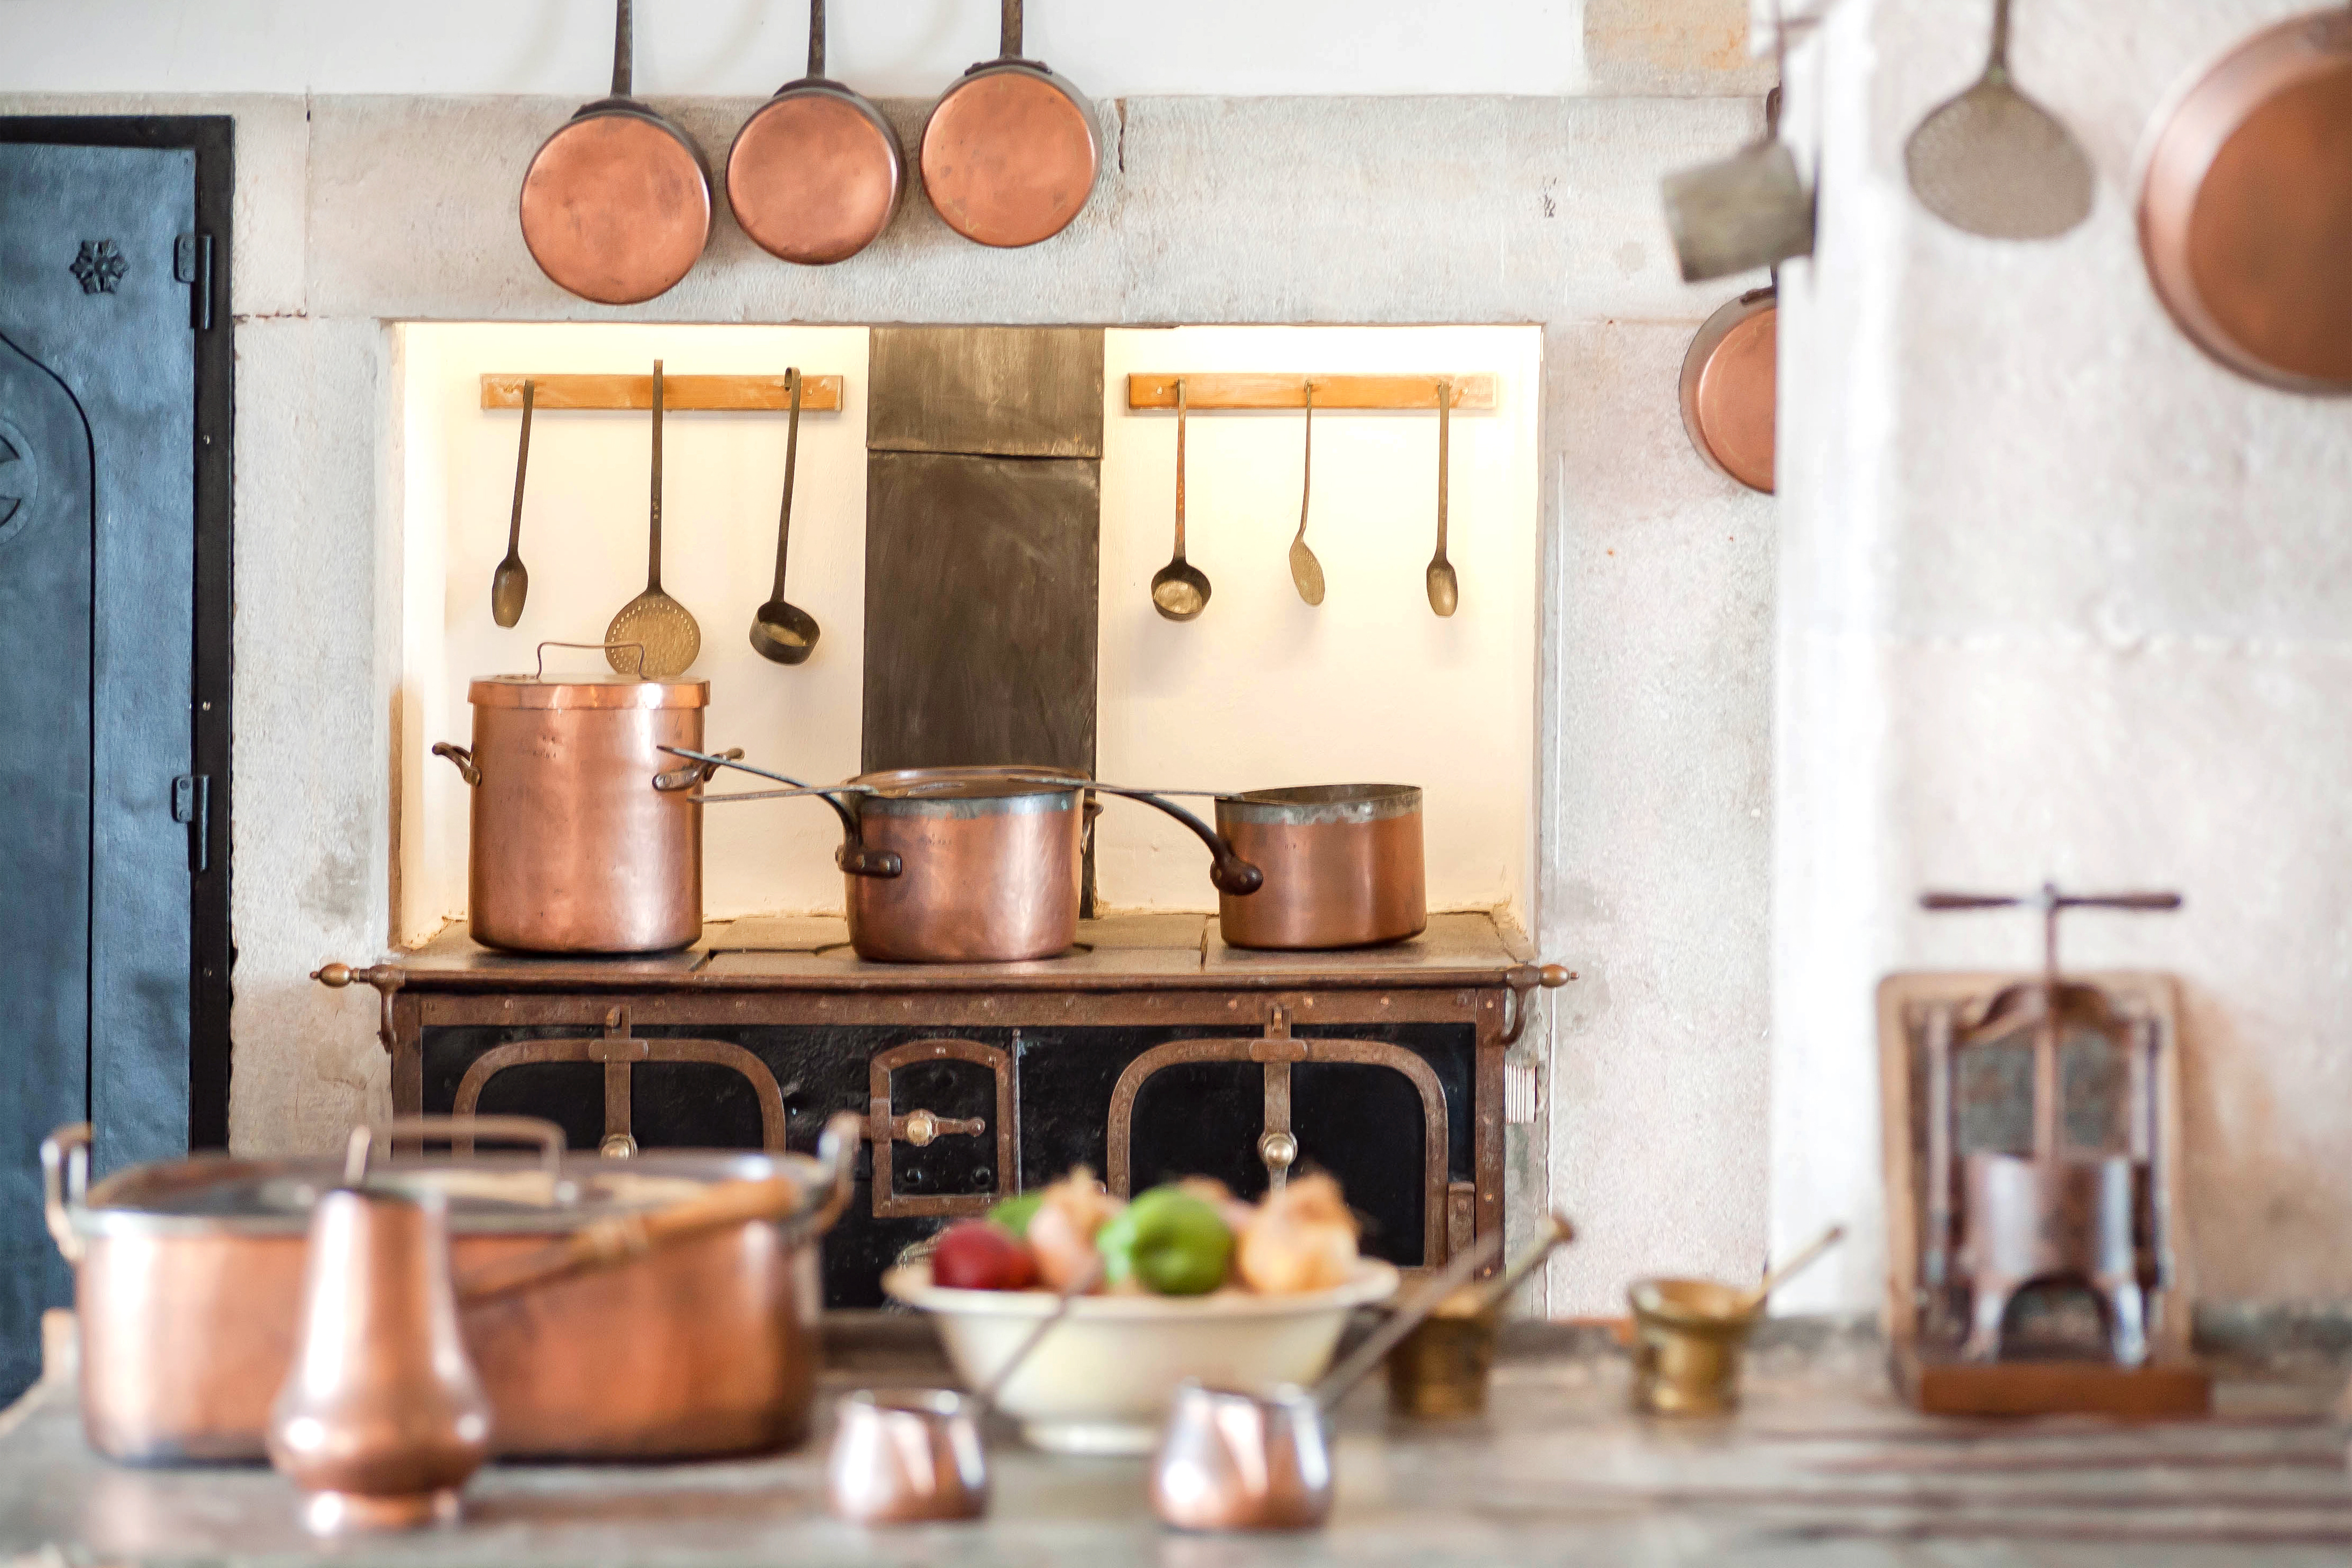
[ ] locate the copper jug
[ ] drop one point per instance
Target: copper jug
(380, 1419)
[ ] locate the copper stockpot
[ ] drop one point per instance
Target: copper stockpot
(816, 172)
(616, 204)
(1342, 865)
(1729, 398)
(966, 865)
(189, 1275)
(2245, 207)
(573, 850)
(1009, 154)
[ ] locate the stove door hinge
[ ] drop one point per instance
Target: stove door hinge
(192, 803)
(191, 263)
(1522, 1093)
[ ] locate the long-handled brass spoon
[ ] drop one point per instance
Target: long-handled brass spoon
(664, 629)
(1789, 1270)
(1180, 591)
(1444, 591)
(781, 631)
(510, 582)
(1306, 572)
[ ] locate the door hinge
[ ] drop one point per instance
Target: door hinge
(192, 803)
(191, 263)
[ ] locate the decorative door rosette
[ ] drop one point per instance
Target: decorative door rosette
(20, 482)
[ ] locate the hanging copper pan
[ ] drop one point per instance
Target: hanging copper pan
(616, 204)
(1729, 393)
(816, 172)
(2245, 211)
(1009, 154)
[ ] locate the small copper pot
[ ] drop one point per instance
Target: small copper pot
(1010, 154)
(1342, 864)
(1730, 400)
(573, 849)
(816, 172)
(1236, 1461)
(616, 204)
(907, 1456)
(1689, 1338)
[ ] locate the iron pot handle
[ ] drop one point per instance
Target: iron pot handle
(462, 758)
(1228, 872)
(837, 1147)
(455, 1129)
(65, 1182)
(675, 779)
(854, 857)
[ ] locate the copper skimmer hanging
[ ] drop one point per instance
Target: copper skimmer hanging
(616, 204)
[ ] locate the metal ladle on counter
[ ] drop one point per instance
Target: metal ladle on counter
(1237, 1460)
(510, 584)
(781, 630)
(665, 630)
(1179, 590)
(1444, 589)
(1305, 571)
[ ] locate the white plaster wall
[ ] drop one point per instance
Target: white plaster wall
(2059, 597)
(1264, 689)
(1652, 687)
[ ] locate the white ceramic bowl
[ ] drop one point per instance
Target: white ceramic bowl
(1100, 1383)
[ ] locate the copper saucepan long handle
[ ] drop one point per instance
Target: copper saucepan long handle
(624, 49)
(1227, 871)
(854, 857)
(816, 40)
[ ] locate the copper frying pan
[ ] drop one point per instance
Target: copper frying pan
(2245, 210)
(1727, 388)
(1009, 154)
(816, 172)
(616, 204)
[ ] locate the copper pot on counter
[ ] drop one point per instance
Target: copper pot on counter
(1342, 864)
(966, 865)
(188, 1282)
(573, 849)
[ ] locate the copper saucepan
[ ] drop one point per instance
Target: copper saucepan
(1729, 399)
(971, 865)
(616, 204)
(1342, 864)
(1010, 154)
(816, 172)
(2245, 208)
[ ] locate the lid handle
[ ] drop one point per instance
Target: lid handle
(459, 1131)
(541, 673)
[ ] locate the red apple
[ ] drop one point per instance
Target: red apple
(980, 1254)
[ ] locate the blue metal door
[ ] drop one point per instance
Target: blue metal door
(97, 597)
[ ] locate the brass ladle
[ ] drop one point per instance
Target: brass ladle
(1179, 590)
(664, 628)
(1305, 571)
(1444, 591)
(1992, 161)
(510, 582)
(781, 631)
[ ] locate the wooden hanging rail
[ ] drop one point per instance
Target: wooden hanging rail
(1251, 389)
(680, 393)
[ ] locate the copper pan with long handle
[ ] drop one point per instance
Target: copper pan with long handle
(616, 204)
(1010, 153)
(816, 172)
(2245, 205)
(1729, 393)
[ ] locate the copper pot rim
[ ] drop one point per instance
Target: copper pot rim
(1301, 804)
(967, 791)
(828, 88)
(586, 692)
(2194, 121)
(1713, 333)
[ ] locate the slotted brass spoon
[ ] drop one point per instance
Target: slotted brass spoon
(664, 628)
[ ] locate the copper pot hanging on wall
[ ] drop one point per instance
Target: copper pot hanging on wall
(616, 204)
(816, 172)
(2245, 208)
(1729, 393)
(1009, 154)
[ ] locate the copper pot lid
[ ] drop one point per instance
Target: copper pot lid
(616, 205)
(816, 172)
(1316, 804)
(2246, 208)
(1009, 154)
(1728, 393)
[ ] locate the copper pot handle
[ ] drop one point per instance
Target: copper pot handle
(693, 773)
(1228, 872)
(65, 1181)
(457, 1131)
(854, 857)
(463, 758)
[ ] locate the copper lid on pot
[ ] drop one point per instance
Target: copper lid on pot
(586, 692)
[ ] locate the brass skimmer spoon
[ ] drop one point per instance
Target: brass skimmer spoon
(1306, 572)
(664, 628)
(1444, 592)
(510, 582)
(785, 632)
(1180, 591)
(1994, 162)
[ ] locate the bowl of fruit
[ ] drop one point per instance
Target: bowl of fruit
(1188, 1283)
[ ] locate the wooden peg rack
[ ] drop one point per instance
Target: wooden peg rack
(1252, 389)
(680, 393)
